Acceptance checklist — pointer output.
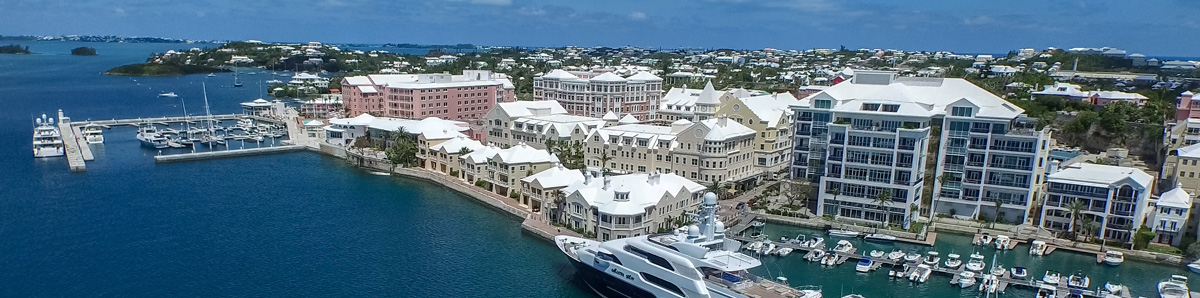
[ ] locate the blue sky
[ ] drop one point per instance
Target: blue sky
(1152, 27)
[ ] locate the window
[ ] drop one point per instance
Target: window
(891, 108)
(870, 107)
(961, 111)
(823, 104)
(662, 283)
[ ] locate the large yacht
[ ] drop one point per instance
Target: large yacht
(694, 261)
(150, 137)
(93, 133)
(47, 140)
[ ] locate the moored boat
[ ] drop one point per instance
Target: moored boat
(1002, 242)
(1078, 281)
(1175, 287)
(931, 258)
(878, 254)
(985, 239)
(1037, 248)
(912, 256)
(976, 263)
(844, 246)
(953, 261)
(1047, 291)
(966, 279)
(921, 274)
(1019, 273)
(150, 137)
(1194, 267)
(1114, 258)
(47, 139)
(843, 233)
(879, 238)
(989, 284)
(93, 134)
(1052, 277)
(895, 255)
(863, 265)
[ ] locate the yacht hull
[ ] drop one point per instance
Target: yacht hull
(606, 285)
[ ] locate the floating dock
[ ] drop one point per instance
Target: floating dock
(226, 153)
(75, 158)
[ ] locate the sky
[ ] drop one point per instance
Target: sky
(1151, 27)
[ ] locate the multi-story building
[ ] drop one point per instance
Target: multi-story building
(770, 116)
(866, 143)
(713, 150)
(1171, 214)
(414, 96)
(444, 156)
(535, 122)
(629, 205)
(1113, 199)
(692, 104)
(541, 190)
(506, 167)
(1182, 168)
(592, 95)
(379, 130)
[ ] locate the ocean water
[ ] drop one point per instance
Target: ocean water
(297, 224)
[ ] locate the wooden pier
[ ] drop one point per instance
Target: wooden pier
(226, 153)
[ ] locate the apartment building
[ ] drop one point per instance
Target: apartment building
(466, 97)
(769, 115)
(1182, 168)
(443, 157)
(1181, 139)
(343, 131)
(713, 150)
(1114, 198)
(866, 140)
(541, 190)
(693, 104)
(629, 205)
(593, 94)
(503, 169)
(536, 122)
(1170, 216)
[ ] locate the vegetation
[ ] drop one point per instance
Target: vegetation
(15, 49)
(160, 70)
(403, 150)
(83, 51)
(1142, 237)
(570, 154)
(1164, 249)
(1075, 208)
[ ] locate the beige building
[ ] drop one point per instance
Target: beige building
(444, 156)
(534, 123)
(504, 168)
(708, 151)
(592, 94)
(541, 189)
(629, 205)
(692, 104)
(1182, 168)
(770, 117)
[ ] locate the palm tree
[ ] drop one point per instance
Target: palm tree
(997, 215)
(883, 199)
(1089, 228)
(1075, 208)
(837, 205)
(604, 158)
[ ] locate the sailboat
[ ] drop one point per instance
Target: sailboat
(210, 136)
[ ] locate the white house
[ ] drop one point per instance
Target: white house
(630, 205)
(1171, 216)
(1114, 198)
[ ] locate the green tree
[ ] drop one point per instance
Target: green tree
(1083, 122)
(1075, 208)
(403, 150)
(1142, 237)
(997, 217)
(883, 199)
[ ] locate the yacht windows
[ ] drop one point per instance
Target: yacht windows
(662, 283)
(656, 260)
(608, 257)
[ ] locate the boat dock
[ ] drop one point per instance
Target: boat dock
(168, 120)
(1005, 280)
(1012, 242)
(75, 152)
(226, 153)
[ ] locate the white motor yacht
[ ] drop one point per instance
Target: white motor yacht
(783, 252)
(912, 256)
(1194, 267)
(1037, 248)
(895, 255)
(150, 137)
(863, 265)
(921, 274)
(843, 233)
(815, 255)
(1052, 277)
(931, 259)
(1079, 281)
(879, 238)
(966, 279)
(47, 139)
(169, 94)
(953, 261)
(976, 263)
(1114, 258)
(1019, 273)
(985, 239)
(1002, 242)
(1176, 287)
(698, 260)
(844, 246)
(94, 134)
(878, 254)
(989, 284)
(1047, 291)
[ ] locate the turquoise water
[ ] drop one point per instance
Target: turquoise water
(1141, 277)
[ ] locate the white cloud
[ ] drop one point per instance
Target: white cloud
(637, 15)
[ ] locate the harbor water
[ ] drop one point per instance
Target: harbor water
(303, 224)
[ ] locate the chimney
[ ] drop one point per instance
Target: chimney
(653, 178)
(587, 178)
(1053, 167)
(722, 120)
(607, 183)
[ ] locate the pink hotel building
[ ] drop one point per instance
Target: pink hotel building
(465, 97)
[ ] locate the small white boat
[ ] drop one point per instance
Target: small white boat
(921, 274)
(976, 263)
(753, 246)
(783, 252)
(843, 233)
(1079, 281)
(1002, 242)
(1114, 258)
(844, 246)
(864, 265)
(380, 173)
(877, 254)
(966, 279)
(168, 94)
(912, 256)
(1037, 248)
(931, 259)
(853, 296)
(770, 249)
(953, 261)
(998, 270)
(1176, 287)
(986, 239)
(1019, 272)
(1113, 289)
(895, 255)
(879, 238)
(1194, 267)
(212, 75)
(815, 255)
(93, 134)
(758, 224)
(830, 259)
(898, 270)
(1052, 277)
(1047, 291)
(989, 283)
(813, 241)
(150, 137)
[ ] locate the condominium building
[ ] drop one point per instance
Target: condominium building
(1114, 200)
(694, 104)
(541, 190)
(443, 157)
(1180, 140)
(629, 205)
(866, 140)
(593, 94)
(1170, 216)
(1182, 168)
(536, 122)
(769, 115)
(414, 96)
(502, 169)
(343, 131)
(713, 150)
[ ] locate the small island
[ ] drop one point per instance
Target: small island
(160, 70)
(15, 49)
(83, 51)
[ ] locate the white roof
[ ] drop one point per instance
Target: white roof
(527, 108)
(313, 123)
(642, 191)
(709, 95)
(457, 144)
(608, 77)
(1062, 89)
(771, 108)
(629, 119)
(522, 153)
(924, 97)
(1192, 151)
(1099, 175)
(563, 124)
(431, 127)
(610, 116)
(410, 81)
(724, 129)
(644, 76)
(560, 74)
(652, 133)
(554, 177)
(367, 89)
(305, 76)
(358, 81)
(1176, 198)
(480, 155)
(1118, 95)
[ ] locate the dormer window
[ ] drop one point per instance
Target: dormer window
(621, 196)
(870, 107)
(961, 112)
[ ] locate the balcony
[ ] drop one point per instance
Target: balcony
(872, 128)
(800, 163)
(904, 164)
(617, 226)
(1023, 132)
(977, 164)
(952, 185)
(956, 150)
(1122, 213)
(953, 168)
(906, 147)
(1011, 166)
(1119, 226)
(802, 148)
(980, 130)
(972, 181)
(835, 157)
(1013, 149)
(958, 134)
(1079, 193)
(1009, 184)
(1163, 228)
